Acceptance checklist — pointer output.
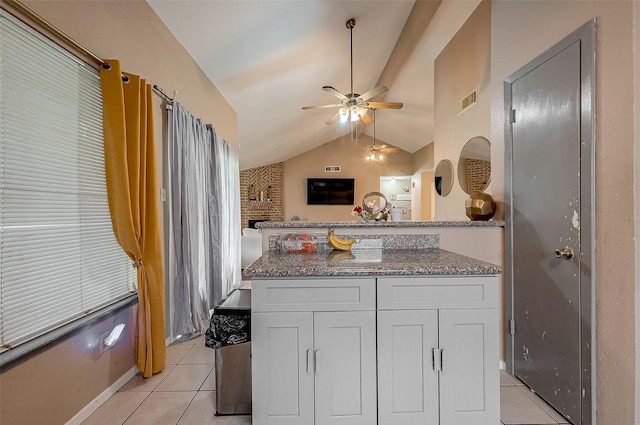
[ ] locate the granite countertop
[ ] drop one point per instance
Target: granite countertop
(368, 262)
(362, 223)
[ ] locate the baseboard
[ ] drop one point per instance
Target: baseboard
(503, 365)
(103, 397)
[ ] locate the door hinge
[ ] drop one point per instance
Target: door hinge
(512, 327)
(512, 116)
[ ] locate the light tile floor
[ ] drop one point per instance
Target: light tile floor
(184, 394)
(521, 406)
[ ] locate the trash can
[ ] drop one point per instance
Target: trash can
(229, 334)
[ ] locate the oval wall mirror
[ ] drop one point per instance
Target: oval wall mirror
(474, 165)
(444, 177)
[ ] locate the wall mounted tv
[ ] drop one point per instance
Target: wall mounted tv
(330, 191)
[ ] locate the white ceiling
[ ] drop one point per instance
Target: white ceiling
(271, 58)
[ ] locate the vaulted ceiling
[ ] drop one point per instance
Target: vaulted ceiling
(271, 58)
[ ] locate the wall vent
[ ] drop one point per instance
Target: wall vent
(331, 168)
(468, 102)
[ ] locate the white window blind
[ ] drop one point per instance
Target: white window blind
(59, 260)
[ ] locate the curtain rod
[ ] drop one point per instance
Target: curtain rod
(166, 96)
(58, 33)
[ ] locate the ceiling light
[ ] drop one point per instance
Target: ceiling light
(344, 114)
(354, 113)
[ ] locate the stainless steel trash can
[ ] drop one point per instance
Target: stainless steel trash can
(233, 380)
(233, 361)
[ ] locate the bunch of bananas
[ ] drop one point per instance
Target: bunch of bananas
(339, 243)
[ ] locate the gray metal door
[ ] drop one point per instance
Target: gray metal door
(546, 211)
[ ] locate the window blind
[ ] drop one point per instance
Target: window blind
(59, 260)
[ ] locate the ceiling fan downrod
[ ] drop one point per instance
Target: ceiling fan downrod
(350, 24)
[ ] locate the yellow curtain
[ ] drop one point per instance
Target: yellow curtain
(130, 166)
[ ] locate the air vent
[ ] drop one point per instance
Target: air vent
(468, 102)
(331, 168)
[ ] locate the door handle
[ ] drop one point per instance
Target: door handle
(315, 361)
(565, 253)
(307, 365)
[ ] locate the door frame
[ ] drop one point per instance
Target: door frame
(586, 36)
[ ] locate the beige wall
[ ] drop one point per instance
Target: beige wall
(51, 386)
(636, 173)
(422, 195)
(422, 159)
(521, 30)
(463, 65)
(54, 385)
(350, 155)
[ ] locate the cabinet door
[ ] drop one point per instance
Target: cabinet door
(345, 365)
(282, 368)
(470, 380)
(407, 378)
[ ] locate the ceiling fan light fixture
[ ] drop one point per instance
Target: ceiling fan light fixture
(344, 114)
(354, 113)
(375, 157)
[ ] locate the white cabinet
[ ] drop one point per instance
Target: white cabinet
(438, 365)
(407, 382)
(325, 352)
(282, 376)
(314, 367)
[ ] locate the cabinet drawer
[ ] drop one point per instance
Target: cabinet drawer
(438, 292)
(313, 294)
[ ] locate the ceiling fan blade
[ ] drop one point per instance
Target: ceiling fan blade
(335, 92)
(333, 119)
(322, 106)
(366, 119)
(387, 105)
(373, 93)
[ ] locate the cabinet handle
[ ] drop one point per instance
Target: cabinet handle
(441, 359)
(315, 361)
(436, 359)
(433, 359)
(307, 364)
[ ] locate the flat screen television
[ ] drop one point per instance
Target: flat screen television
(330, 191)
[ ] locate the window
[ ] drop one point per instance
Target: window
(59, 260)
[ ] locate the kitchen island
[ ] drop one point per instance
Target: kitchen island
(382, 336)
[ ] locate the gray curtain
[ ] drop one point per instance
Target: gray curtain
(226, 198)
(202, 251)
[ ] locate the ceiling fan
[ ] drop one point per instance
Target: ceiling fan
(353, 106)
